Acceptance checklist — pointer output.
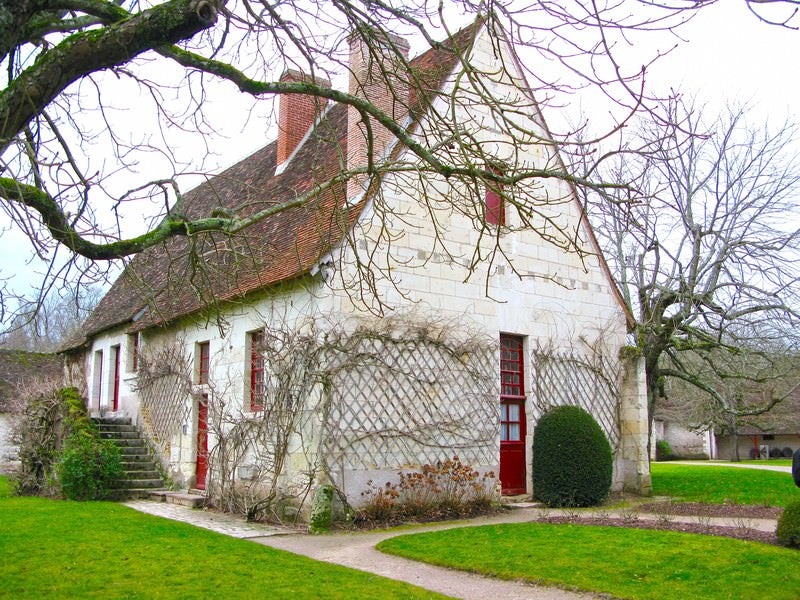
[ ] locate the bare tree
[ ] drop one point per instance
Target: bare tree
(782, 13)
(724, 390)
(43, 326)
(708, 255)
(97, 92)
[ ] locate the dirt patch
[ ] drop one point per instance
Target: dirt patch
(691, 509)
(739, 533)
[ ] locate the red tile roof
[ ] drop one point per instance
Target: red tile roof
(187, 275)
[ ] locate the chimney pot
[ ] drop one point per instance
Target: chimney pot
(377, 74)
(297, 113)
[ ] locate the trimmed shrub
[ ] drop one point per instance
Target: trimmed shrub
(664, 450)
(788, 531)
(572, 459)
(89, 466)
(796, 467)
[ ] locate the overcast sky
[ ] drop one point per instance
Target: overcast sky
(727, 56)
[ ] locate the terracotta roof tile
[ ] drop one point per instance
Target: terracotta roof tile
(186, 275)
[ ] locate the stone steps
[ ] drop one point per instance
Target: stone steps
(180, 498)
(141, 475)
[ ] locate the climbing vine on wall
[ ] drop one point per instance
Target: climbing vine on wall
(587, 380)
(164, 386)
(378, 395)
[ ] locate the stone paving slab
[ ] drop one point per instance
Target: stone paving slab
(208, 519)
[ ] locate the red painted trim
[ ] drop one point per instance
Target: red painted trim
(513, 462)
(135, 351)
(495, 205)
(115, 350)
(201, 468)
(203, 362)
(257, 368)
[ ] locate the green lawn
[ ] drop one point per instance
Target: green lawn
(716, 485)
(61, 549)
(628, 563)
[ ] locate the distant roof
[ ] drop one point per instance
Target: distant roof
(783, 418)
(166, 282)
(18, 367)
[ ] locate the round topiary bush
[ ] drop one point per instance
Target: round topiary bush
(572, 459)
(788, 531)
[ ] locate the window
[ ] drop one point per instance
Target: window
(133, 352)
(511, 425)
(257, 368)
(115, 360)
(97, 378)
(513, 462)
(203, 361)
(494, 204)
(511, 368)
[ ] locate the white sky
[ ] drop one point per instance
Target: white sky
(727, 56)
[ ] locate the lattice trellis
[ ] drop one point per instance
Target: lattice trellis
(164, 389)
(411, 403)
(565, 379)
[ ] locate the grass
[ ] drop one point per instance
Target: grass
(717, 485)
(62, 549)
(627, 563)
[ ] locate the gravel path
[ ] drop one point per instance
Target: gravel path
(357, 550)
(764, 467)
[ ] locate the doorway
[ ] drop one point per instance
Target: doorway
(512, 416)
(201, 470)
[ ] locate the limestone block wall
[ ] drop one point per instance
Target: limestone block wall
(523, 285)
(686, 443)
(99, 364)
(633, 465)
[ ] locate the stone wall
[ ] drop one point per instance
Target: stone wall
(8, 451)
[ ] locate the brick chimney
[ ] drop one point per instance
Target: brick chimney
(378, 74)
(297, 113)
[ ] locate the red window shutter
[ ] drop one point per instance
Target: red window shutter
(115, 352)
(204, 362)
(257, 368)
(494, 203)
(135, 353)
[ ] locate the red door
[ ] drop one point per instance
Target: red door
(202, 444)
(512, 416)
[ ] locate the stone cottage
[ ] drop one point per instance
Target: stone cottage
(380, 321)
